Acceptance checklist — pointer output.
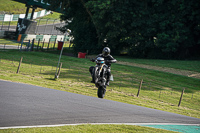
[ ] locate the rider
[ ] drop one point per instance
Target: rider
(108, 60)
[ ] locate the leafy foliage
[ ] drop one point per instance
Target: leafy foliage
(150, 28)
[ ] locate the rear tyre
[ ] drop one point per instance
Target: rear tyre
(101, 92)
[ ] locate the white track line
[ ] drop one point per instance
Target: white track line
(58, 125)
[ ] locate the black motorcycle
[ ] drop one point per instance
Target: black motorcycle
(99, 76)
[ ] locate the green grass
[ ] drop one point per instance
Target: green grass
(87, 128)
(53, 16)
(159, 90)
(9, 42)
(14, 7)
(191, 65)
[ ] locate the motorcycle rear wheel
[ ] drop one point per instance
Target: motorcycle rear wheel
(101, 92)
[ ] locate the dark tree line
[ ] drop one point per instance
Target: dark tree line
(146, 28)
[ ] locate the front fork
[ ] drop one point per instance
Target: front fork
(96, 75)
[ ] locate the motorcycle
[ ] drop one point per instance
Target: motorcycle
(99, 76)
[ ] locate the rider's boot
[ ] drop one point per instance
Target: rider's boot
(92, 81)
(91, 71)
(107, 82)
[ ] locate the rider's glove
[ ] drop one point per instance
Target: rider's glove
(92, 60)
(111, 61)
(108, 61)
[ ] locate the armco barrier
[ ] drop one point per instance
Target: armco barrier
(45, 38)
(39, 37)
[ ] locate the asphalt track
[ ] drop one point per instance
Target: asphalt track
(27, 105)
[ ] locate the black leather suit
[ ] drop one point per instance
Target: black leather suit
(108, 60)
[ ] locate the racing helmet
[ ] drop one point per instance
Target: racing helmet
(100, 60)
(106, 51)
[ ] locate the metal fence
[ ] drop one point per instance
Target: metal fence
(44, 26)
(6, 20)
(37, 44)
(48, 26)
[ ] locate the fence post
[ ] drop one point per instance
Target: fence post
(38, 44)
(27, 49)
(21, 45)
(54, 43)
(19, 64)
(139, 88)
(43, 44)
(181, 97)
(48, 43)
(59, 60)
(59, 70)
(32, 46)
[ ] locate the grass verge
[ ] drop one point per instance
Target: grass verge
(9, 42)
(89, 129)
(14, 7)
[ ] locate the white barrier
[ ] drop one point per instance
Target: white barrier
(9, 17)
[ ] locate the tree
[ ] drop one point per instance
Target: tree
(149, 28)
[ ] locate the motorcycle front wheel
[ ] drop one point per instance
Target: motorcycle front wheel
(101, 92)
(94, 74)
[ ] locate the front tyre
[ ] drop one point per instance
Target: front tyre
(101, 92)
(94, 74)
